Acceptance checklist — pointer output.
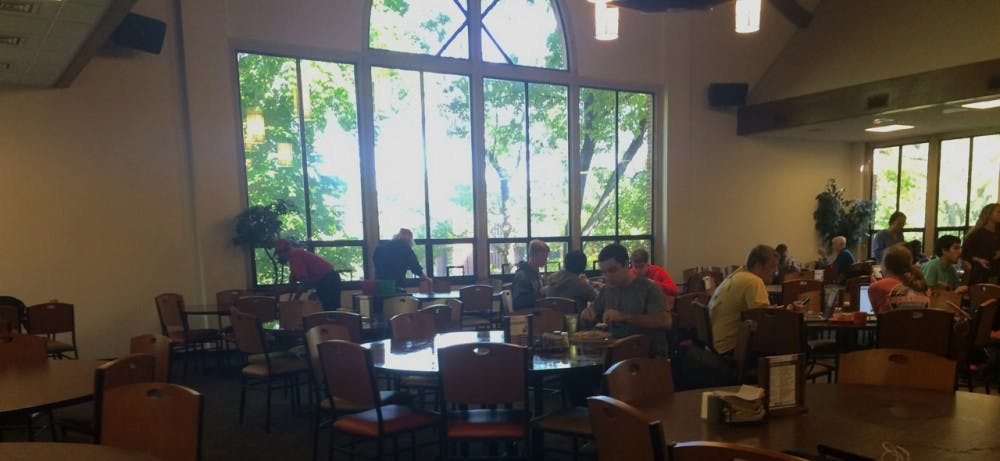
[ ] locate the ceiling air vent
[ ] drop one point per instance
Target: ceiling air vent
(17, 7)
(994, 83)
(878, 101)
(10, 40)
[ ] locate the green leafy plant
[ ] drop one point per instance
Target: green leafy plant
(257, 227)
(836, 215)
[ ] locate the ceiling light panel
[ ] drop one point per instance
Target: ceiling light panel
(888, 128)
(992, 103)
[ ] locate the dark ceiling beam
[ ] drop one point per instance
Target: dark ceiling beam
(884, 97)
(794, 12)
(113, 16)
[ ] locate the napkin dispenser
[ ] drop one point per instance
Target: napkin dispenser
(743, 406)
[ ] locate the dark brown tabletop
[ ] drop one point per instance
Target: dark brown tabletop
(51, 384)
(859, 419)
(34, 451)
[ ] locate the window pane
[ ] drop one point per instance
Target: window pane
(913, 184)
(331, 128)
(457, 257)
(592, 249)
(528, 31)
(449, 155)
(506, 169)
(953, 182)
(266, 273)
(632, 245)
(985, 173)
(399, 159)
(271, 135)
(635, 153)
(505, 256)
(597, 161)
(549, 162)
(885, 180)
(557, 251)
(349, 260)
(419, 26)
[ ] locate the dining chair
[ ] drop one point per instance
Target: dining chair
(291, 313)
(640, 381)
(263, 307)
(349, 373)
(744, 372)
(725, 451)
(174, 325)
(128, 369)
(780, 332)
(810, 292)
(974, 361)
(442, 317)
(51, 320)
(161, 419)
(544, 320)
(476, 304)
(902, 368)
(982, 292)
(627, 348)
(413, 327)
(159, 347)
(623, 432)
(565, 306)
(396, 305)
(26, 350)
(484, 394)
(925, 330)
(263, 367)
(506, 301)
(702, 325)
(945, 300)
(350, 320)
(10, 320)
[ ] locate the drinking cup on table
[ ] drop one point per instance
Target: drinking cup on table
(860, 318)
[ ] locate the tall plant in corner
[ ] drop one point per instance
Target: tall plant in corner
(258, 226)
(835, 215)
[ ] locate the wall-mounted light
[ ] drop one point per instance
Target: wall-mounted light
(284, 155)
(255, 127)
(747, 16)
(605, 21)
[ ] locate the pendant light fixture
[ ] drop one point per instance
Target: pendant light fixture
(747, 16)
(605, 21)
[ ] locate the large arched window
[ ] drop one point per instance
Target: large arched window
(473, 103)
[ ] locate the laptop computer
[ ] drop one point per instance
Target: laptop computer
(864, 304)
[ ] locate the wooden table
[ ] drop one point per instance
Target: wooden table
(52, 384)
(422, 358)
(25, 451)
(929, 424)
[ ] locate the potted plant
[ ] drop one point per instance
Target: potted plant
(257, 227)
(836, 215)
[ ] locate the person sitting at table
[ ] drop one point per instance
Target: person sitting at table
(940, 272)
(786, 263)
(527, 285)
(982, 247)
(743, 289)
(844, 260)
(629, 304)
(308, 270)
(916, 248)
(888, 237)
(571, 282)
(658, 275)
(903, 286)
(395, 257)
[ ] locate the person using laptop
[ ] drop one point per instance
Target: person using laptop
(903, 286)
(940, 272)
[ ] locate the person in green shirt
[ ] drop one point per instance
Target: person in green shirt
(940, 272)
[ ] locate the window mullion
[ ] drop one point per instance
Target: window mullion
(573, 143)
(302, 149)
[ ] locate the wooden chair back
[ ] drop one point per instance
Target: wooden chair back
(476, 299)
(157, 346)
(349, 320)
(10, 320)
(640, 381)
(347, 369)
(544, 320)
(160, 419)
(982, 292)
(623, 432)
(944, 300)
(456, 311)
(484, 373)
(319, 334)
(685, 314)
(170, 308)
(506, 301)
(916, 329)
(442, 317)
(742, 352)
(49, 319)
(725, 451)
(860, 268)
(797, 276)
(518, 329)
(264, 308)
(565, 306)
(800, 290)
(983, 321)
(396, 305)
(248, 332)
(414, 327)
(128, 369)
(227, 298)
(291, 313)
(778, 332)
(903, 368)
(702, 325)
(629, 347)
(853, 289)
(20, 348)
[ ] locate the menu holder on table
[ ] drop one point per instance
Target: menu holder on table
(517, 330)
(783, 380)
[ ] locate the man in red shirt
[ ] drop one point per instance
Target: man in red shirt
(311, 271)
(658, 275)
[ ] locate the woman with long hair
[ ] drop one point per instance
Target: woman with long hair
(981, 248)
(903, 287)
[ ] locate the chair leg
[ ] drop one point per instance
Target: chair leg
(243, 396)
(267, 410)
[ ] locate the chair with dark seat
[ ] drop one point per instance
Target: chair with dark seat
(442, 317)
(565, 306)
(809, 292)
(350, 320)
(725, 451)
(263, 307)
(51, 320)
(11, 314)
(493, 377)
(903, 368)
(543, 320)
(291, 313)
(160, 419)
(623, 432)
(396, 305)
(685, 326)
(982, 292)
(925, 330)
(269, 369)
(350, 377)
(159, 347)
(974, 362)
(413, 327)
(476, 304)
(640, 381)
(174, 325)
(129, 369)
(780, 332)
(626, 348)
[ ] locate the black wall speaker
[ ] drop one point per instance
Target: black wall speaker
(727, 94)
(140, 32)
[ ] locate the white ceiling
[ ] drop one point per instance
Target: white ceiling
(48, 35)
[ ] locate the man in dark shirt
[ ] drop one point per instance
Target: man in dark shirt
(308, 270)
(395, 257)
(845, 259)
(527, 285)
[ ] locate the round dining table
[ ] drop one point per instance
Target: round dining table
(40, 451)
(864, 420)
(42, 386)
(421, 358)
